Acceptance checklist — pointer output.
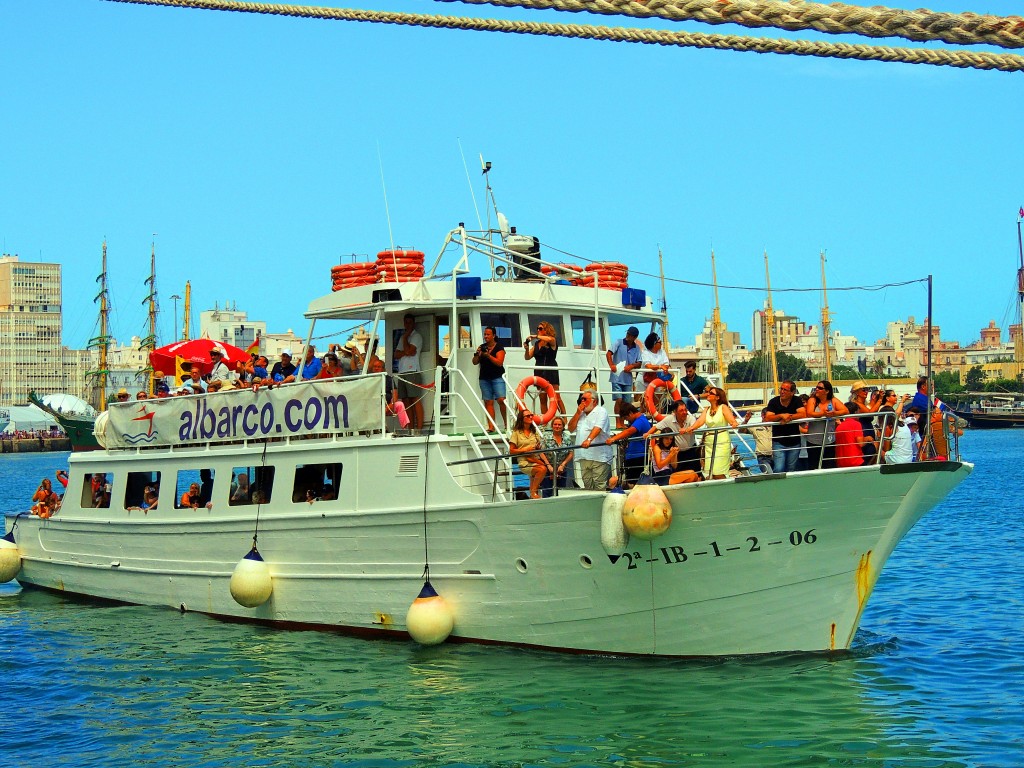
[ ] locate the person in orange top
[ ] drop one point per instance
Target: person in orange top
(45, 498)
(190, 498)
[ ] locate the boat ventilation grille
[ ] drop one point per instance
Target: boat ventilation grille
(408, 465)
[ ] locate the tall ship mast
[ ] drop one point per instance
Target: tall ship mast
(716, 322)
(186, 330)
(825, 324)
(101, 341)
(1018, 342)
(769, 320)
(149, 343)
(78, 426)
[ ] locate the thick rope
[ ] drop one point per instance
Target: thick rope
(833, 19)
(938, 57)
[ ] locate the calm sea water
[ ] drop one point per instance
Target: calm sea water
(936, 677)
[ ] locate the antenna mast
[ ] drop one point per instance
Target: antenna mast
(769, 319)
(825, 318)
(716, 322)
(664, 300)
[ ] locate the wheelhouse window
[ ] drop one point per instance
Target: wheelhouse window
(316, 482)
(583, 332)
(142, 490)
(250, 485)
(193, 488)
(506, 324)
(556, 322)
(96, 490)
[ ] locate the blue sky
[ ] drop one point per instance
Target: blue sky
(249, 144)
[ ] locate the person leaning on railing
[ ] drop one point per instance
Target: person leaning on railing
(782, 410)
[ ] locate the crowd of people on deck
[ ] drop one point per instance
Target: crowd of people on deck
(797, 432)
(817, 430)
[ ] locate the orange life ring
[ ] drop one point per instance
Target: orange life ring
(401, 255)
(537, 381)
(649, 396)
(356, 266)
(400, 267)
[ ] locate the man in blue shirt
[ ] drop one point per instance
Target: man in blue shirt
(636, 448)
(623, 359)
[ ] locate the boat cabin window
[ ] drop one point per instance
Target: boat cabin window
(316, 482)
(141, 490)
(556, 322)
(251, 485)
(444, 337)
(96, 490)
(583, 332)
(202, 479)
(506, 324)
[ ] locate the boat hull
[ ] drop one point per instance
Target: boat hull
(784, 563)
(977, 420)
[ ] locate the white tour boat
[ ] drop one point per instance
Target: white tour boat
(351, 514)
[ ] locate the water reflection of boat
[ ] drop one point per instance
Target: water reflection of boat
(351, 514)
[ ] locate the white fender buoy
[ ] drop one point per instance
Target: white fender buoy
(614, 536)
(647, 513)
(99, 428)
(251, 583)
(430, 619)
(10, 558)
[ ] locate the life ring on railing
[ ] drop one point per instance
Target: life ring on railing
(537, 381)
(649, 396)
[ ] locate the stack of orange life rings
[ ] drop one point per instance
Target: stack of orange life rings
(610, 274)
(399, 266)
(353, 275)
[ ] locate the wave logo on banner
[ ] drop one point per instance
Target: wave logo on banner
(149, 435)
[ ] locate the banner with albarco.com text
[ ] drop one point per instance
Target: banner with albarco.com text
(316, 407)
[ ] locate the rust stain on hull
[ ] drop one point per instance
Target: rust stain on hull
(863, 579)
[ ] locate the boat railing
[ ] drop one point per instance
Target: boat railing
(743, 461)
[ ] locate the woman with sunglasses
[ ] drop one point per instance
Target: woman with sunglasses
(717, 446)
(824, 405)
(525, 440)
(543, 353)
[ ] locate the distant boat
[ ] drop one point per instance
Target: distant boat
(998, 411)
(994, 412)
(75, 417)
(5, 418)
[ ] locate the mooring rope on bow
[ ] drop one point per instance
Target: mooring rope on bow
(1004, 62)
(796, 16)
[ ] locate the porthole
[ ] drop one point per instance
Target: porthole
(586, 562)
(521, 565)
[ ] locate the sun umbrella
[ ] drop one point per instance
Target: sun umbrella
(197, 352)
